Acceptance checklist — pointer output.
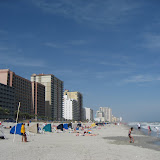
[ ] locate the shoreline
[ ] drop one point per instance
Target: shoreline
(141, 140)
(143, 131)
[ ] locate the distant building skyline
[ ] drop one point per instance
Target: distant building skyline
(104, 114)
(107, 113)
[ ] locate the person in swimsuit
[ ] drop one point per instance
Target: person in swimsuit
(149, 129)
(129, 135)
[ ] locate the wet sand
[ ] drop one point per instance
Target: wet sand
(141, 140)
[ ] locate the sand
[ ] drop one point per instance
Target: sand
(111, 143)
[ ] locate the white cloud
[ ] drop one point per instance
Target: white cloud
(141, 79)
(66, 44)
(95, 11)
(77, 42)
(17, 60)
(54, 45)
(151, 41)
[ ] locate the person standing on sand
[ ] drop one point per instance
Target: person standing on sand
(23, 132)
(139, 126)
(149, 129)
(129, 135)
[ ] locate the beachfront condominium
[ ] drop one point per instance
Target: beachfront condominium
(106, 113)
(7, 101)
(88, 114)
(38, 99)
(70, 107)
(22, 89)
(99, 117)
(53, 94)
(79, 98)
(99, 114)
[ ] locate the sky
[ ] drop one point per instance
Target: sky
(109, 50)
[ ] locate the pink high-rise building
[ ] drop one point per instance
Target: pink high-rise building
(23, 90)
(30, 95)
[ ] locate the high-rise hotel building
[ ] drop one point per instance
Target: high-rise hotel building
(70, 109)
(53, 94)
(22, 89)
(7, 100)
(87, 114)
(107, 113)
(79, 98)
(15, 89)
(38, 99)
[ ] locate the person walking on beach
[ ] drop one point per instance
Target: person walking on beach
(129, 135)
(23, 132)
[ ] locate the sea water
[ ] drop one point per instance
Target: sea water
(144, 128)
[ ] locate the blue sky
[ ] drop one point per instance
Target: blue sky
(109, 50)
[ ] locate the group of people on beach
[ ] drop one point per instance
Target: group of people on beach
(139, 127)
(86, 133)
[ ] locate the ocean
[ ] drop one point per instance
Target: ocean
(144, 128)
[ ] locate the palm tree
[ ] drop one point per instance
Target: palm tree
(6, 111)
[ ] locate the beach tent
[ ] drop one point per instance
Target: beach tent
(18, 129)
(70, 125)
(60, 127)
(79, 125)
(47, 128)
(65, 126)
(33, 128)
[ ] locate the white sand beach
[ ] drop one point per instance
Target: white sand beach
(111, 143)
